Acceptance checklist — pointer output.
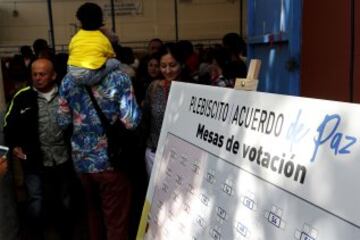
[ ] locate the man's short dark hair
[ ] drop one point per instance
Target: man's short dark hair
(90, 15)
(39, 45)
(235, 43)
(26, 51)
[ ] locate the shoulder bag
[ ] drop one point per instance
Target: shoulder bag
(118, 138)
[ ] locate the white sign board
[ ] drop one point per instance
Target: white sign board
(247, 165)
(124, 8)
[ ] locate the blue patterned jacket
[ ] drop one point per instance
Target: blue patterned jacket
(115, 96)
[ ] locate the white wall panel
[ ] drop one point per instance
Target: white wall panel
(196, 19)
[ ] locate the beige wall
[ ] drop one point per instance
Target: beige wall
(198, 19)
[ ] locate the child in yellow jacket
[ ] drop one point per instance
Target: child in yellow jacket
(91, 55)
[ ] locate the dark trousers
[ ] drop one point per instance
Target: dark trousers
(34, 224)
(49, 201)
(58, 185)
(108, 196)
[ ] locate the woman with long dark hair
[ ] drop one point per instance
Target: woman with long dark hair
(172, 68)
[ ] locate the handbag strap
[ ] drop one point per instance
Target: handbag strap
(104, 121)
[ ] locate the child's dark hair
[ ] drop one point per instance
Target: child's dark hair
(90, 15)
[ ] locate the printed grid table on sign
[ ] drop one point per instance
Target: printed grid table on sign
(193, 199)
(201, 196)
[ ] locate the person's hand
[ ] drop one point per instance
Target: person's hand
(17, 152)
(3, 166)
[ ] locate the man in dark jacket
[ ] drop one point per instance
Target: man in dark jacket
(36, 140)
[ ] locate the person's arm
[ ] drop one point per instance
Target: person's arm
(129, 109)
(11, 127)
(3, 166)
(17, 152)
(64, 113)
(64, 116)
(112, 37)
(11, 120)
(146, 112)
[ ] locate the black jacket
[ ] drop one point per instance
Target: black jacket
(21, 128)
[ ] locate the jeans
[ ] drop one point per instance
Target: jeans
(90, 77)
(57, 198)
(49, 201)
(34, 213)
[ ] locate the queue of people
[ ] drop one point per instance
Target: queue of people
(55, 133)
